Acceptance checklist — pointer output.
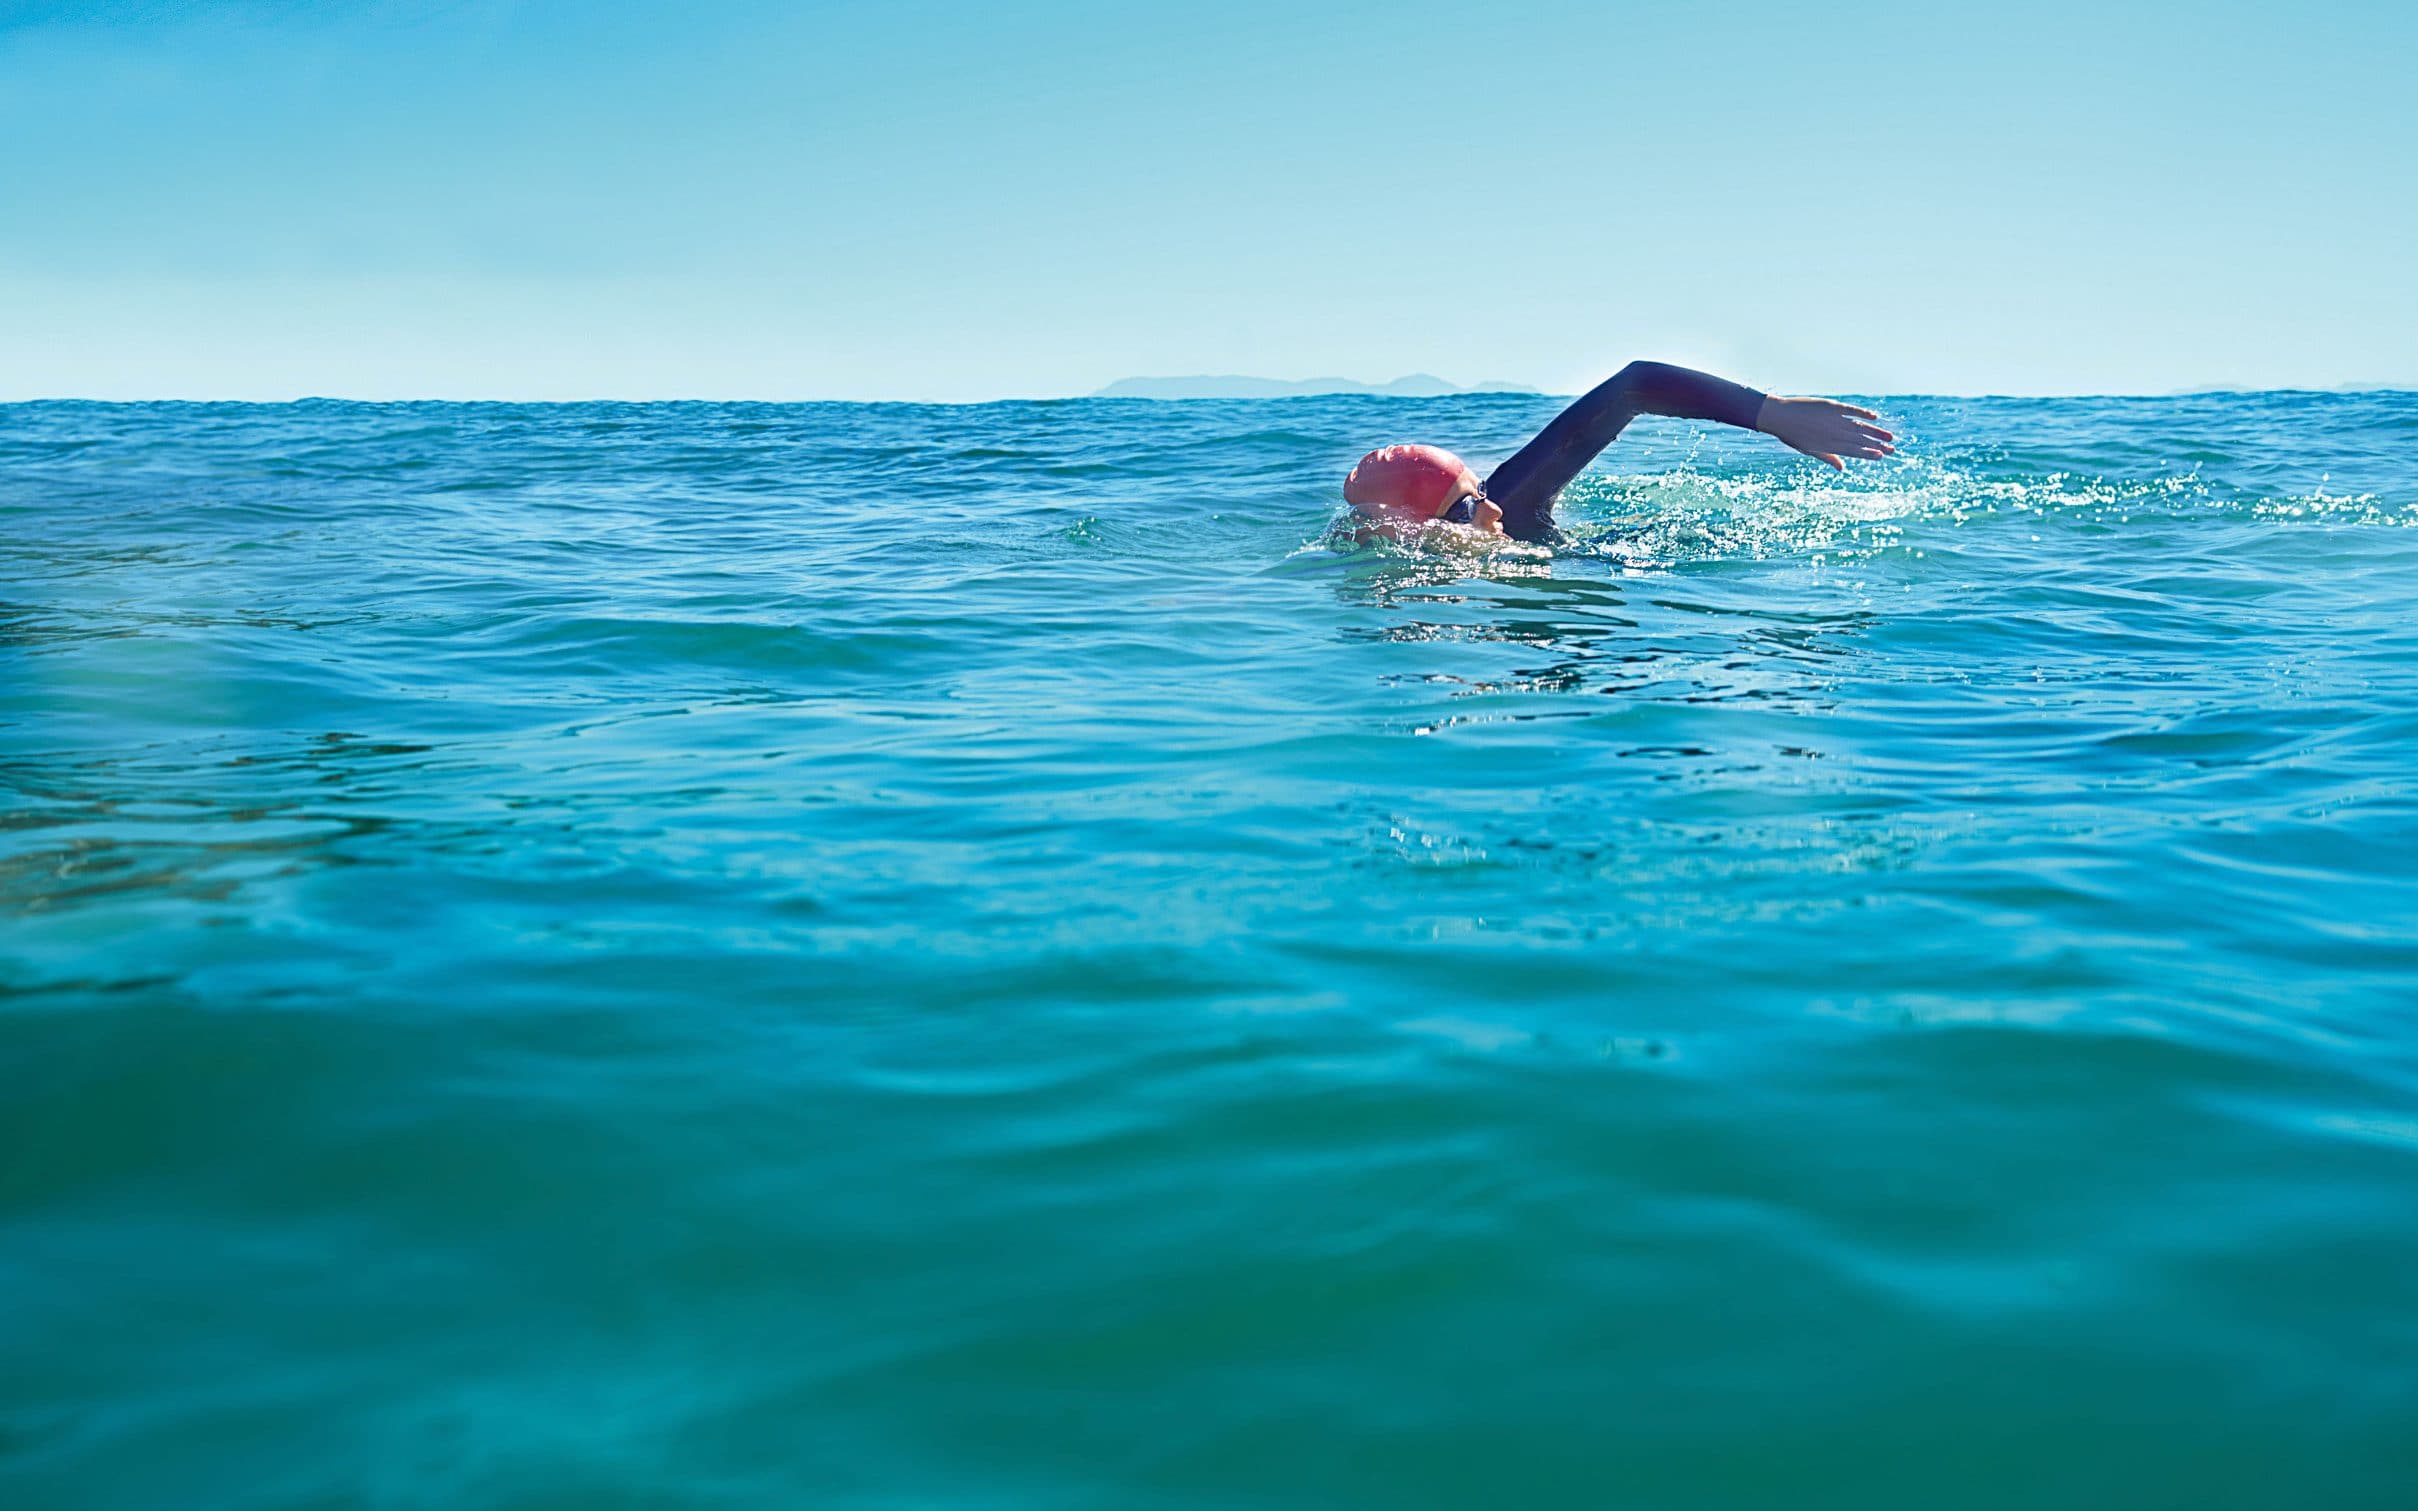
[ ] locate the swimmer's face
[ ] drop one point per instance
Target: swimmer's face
(1470, 506)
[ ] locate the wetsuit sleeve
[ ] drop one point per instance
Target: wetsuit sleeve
(1527, 484)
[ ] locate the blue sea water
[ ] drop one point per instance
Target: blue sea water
(886, 955)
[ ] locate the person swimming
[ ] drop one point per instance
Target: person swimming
(1420, 485)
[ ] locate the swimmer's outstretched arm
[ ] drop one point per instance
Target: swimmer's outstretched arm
(1527, 485)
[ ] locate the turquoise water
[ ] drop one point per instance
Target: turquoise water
(715, 954)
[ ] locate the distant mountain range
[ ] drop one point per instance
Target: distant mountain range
(1416, 386)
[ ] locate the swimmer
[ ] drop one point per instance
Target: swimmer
(1414, 486)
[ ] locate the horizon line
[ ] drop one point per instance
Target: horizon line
(2212, 391)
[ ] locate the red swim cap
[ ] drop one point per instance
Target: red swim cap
(1409, 482)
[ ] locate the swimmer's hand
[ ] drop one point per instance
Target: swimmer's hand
(1824, 429)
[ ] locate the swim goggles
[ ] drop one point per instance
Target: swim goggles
(1461, 510)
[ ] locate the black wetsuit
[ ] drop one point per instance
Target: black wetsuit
(1526, 485)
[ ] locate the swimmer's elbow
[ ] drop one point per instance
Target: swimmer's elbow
(1637, 377)
(1616, 398)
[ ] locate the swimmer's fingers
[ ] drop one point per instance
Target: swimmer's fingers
(1854, 414)
(1862, 439)
(1845, 438)
(1858, 419)
(1827, 430)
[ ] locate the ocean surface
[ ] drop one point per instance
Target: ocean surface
(715, 954)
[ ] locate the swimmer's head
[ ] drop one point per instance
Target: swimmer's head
(1415, 485)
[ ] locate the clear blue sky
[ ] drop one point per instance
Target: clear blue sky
(964, 201)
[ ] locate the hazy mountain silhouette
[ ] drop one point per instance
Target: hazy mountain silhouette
(1417, 385)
